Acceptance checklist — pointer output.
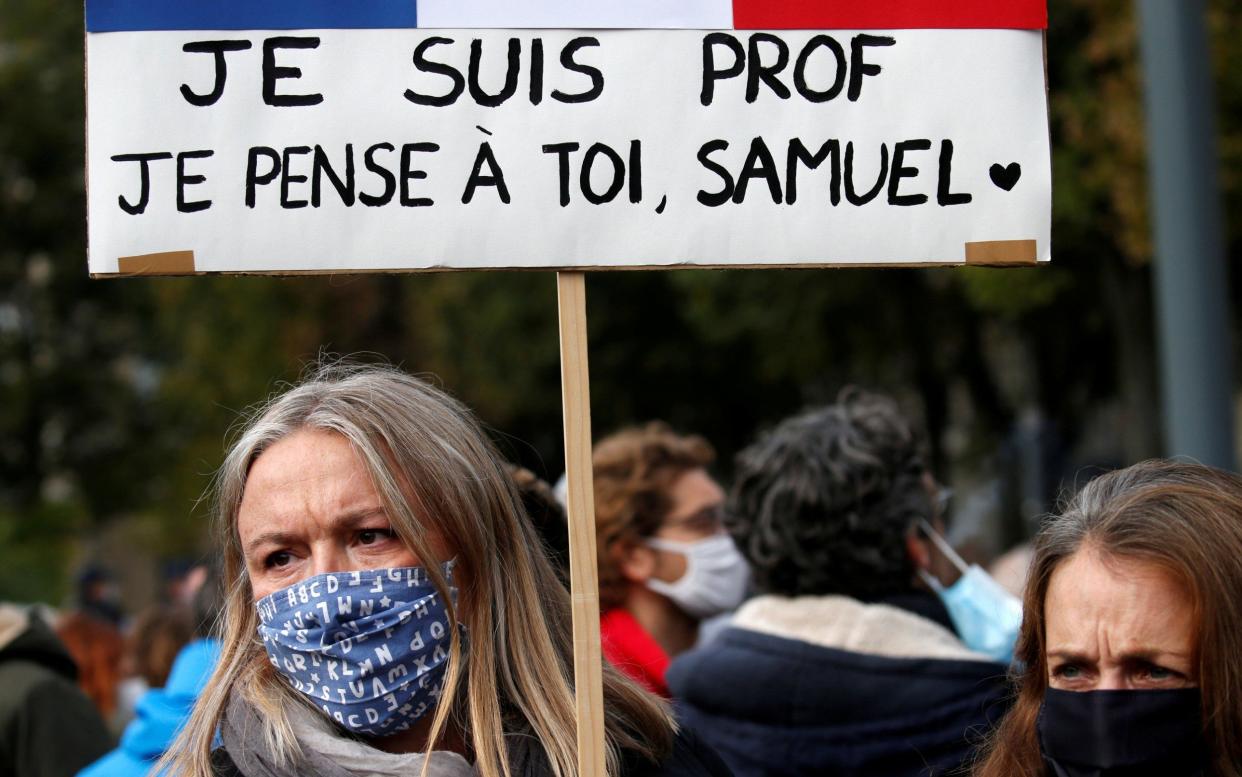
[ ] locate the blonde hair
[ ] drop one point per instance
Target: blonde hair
(436, 474)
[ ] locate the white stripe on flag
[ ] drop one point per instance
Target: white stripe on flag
(577, 14)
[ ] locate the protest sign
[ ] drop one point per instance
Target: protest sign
(295, 136)
(318, 137)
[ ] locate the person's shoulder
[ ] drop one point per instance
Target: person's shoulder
(117, 763)
(63, 731)
(28, 686)
(690, 757)
(222, 764)
(21, 677)
(695, 752)
(735, 652)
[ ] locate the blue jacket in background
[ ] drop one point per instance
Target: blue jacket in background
(780, 707)
(160, 714)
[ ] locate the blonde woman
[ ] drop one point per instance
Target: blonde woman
(391, 611)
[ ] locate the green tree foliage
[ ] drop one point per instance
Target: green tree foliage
(79, 437)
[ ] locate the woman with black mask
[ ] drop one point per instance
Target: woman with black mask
(1133, 622)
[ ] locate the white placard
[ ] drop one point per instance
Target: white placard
(898, 146)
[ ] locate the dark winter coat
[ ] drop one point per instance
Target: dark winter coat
(48, 728)
(912, 702)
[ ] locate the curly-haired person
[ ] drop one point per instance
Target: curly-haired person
(846, 663)
(665, 561)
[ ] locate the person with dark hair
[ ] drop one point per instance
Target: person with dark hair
(1130, 645)
(157, 636)
(154, 639)
(48, 727)
(98, 595)
(665, 561)
(163, 710)
(845, 663)
(547, 515)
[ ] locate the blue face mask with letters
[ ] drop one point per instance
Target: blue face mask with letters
(369, 648)
(986, 616)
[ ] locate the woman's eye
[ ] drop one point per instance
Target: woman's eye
(1159, 673)
(276, 560)
(372, 536)
(1068, 672)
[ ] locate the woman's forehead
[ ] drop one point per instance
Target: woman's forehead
(1098, 605)
(311, 475)
(314, 483)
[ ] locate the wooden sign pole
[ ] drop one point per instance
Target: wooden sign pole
(580, 501)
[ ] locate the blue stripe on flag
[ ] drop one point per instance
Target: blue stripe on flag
(136, 15)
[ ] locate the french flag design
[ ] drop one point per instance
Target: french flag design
(149, 15)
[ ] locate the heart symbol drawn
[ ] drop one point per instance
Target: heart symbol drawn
(1006, 177)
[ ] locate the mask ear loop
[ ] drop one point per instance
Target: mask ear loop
(944, 547)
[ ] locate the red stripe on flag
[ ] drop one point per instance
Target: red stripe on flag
(889, 14)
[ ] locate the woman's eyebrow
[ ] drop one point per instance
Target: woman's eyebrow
(1071, 656)
(346, 520)
(269, 537)
(1151, 654)
(1137, 654)
(351, 518)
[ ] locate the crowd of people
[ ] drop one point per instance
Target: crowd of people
(89, 691)
(392, 599)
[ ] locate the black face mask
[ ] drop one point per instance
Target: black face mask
(1123, 733)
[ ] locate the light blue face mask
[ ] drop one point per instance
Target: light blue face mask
(986, 616)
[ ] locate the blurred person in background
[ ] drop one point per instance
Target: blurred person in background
(175, 680)
(547, 515)
(182, 580)
(48, 727)
(1130, 644)
(389, 610)
(99, 597)
(156, 636)
(1011, 568)
(845, 663)
(665, 561)
(97, 648)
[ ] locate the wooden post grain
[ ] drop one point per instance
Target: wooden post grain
(580, 501)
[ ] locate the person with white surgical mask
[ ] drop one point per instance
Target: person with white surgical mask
(665, 561)
(862, 653)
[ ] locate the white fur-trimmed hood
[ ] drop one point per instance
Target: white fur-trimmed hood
(14, 621)
(848, 624)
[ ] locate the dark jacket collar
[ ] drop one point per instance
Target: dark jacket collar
(924, 604)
